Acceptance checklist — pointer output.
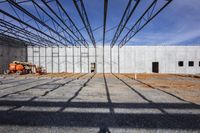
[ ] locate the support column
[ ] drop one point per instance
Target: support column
(135, 74)
(103, 61)
(26, 56)
(118, 60)
(45, 52)
(88, 60)
(80, 60)
(21, 56)
(52, 59)
(65, 59)
(111, 59)
(73, 56)
(39, 55)
(58, 59)
(33, 55)
(95, 59)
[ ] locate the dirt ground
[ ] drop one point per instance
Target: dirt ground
(185, 86)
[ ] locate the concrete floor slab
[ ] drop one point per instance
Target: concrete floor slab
(98, 103)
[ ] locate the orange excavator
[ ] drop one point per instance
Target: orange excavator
(19, 68)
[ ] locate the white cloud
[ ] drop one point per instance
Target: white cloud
(181, 19)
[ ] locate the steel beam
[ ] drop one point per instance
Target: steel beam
(64, 30)
(77, 32)
(82, 13)
(130, 8)
(104, 29)
(37, 19)
(28, 25)
(63, 22)
(18, 30)
(146, 17)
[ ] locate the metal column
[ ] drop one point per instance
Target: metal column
(73, 56)
(103, 60)
(104, 28)
(33, 55)
(26, 48)
(45, 52)
(118, 60)
(65, 59)
(88, 60)
(80, 61)
(52, 59)
(58, 59)
(135, 75)
(39, 55)
(96, 59)
(111, 59)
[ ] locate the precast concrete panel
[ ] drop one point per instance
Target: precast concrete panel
(131, 59)
(62, 59)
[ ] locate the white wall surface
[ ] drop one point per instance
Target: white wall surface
(131, 59)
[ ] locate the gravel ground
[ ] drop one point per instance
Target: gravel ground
(96, 103)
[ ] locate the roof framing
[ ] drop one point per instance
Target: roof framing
(148, 15)
(82, 13)
(36, 29)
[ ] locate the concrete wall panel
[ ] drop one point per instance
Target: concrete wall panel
(132, 59)
(10, 51)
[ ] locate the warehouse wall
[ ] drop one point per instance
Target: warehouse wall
(9, 51)
(131, 59)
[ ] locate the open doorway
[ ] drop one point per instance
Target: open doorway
(93, 67)
(155, 67)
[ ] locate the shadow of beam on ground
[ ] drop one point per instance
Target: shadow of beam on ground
(47, 92)
(138, 93)
(116, 120)
(108, 95)
(28, 81)
(47, 104)
(37, 86)
(61, 84)
(150, 86)
(76, 94)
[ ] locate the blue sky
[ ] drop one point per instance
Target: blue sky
(178, 24)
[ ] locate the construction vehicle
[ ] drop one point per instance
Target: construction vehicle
(40, 70)
(19, 68)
